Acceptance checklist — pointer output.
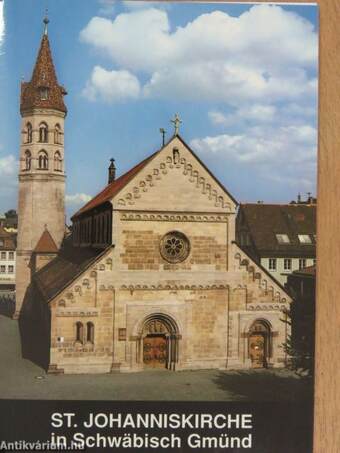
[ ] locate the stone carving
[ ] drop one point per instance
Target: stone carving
(188, 170)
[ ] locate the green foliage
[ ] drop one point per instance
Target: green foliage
(300, 344)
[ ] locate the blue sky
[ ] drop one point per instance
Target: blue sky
(242, 77)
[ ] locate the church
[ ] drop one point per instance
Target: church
(150, 275)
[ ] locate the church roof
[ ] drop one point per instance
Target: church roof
(46, 244)
(44, 76)
(62, 270)
(113, 188)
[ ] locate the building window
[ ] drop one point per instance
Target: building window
(57, 135)
(43, 93)
(79, 332)
(282, 238)
(305, 238)
(121, 334)
(43, 133)
(11, 256)
(90, 332)
(29, 133)
(3, 255)
(10, 269)
(272, 264)
(2, 269)
(1, 242)
(57, 161)
(314, 262)
(43, 160)
(302, 263)
(287, 264)
(28, 160)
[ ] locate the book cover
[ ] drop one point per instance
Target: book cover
(158, 226)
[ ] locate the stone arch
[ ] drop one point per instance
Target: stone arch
(161, 334)
(260, 335)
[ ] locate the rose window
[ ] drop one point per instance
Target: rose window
(175, 247)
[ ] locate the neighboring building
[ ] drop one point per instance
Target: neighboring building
(7, 260)
(151, 276)
(9, 221)
(282, 238)
(301, 285)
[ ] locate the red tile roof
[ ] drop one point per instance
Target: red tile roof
(112, 189)
(307, 271)
(44, 76)
(46, 244)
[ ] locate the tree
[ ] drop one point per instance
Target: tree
(300, 344)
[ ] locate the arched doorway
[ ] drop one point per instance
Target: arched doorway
(259, 343)
(160, 342)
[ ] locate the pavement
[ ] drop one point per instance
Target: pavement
(22, 379)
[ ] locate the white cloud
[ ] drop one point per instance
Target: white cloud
(265, 53)
(255, 113)
(111, 86)
(285, 153)
(77, 199)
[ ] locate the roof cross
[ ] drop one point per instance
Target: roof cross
(176, 122)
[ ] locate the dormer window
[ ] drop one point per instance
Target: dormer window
(43, 93)
(305, 239)
(282, 238)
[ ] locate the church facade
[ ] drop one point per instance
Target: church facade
(151, 276)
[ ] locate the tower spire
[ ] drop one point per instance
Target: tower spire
(46, 22)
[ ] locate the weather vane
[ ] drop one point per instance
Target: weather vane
(176, 122)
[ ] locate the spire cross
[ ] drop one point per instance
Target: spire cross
(46, 22)
(176, 122)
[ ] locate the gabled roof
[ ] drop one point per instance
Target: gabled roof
(62, 270)
(8, 240)
(44, 76)
(112, 189)
(46, 244)
(264, 221)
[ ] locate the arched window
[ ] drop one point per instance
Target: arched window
(58, 161)
(80, 332)
(29, 133)
(43, 160)
(28, 160)
(57, 134)
(43, 133)
(90, 332)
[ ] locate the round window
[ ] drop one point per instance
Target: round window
(174, 247)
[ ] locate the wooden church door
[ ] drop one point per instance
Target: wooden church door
(155, 351)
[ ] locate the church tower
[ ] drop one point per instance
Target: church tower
(42, 171)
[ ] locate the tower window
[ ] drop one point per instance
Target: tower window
(57, 161)
(28, 160)
(90, 332)
(43, 133)
(43, 161)
(57, 134)
(43, 93)
(29, 133)
(80, 332)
